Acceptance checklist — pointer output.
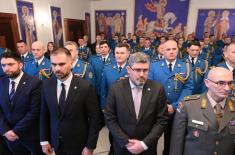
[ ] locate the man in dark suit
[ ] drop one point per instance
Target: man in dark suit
(70, 118)
(19, 106)
(135, 110)
(205, 124)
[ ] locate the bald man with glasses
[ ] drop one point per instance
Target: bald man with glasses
(205, 124)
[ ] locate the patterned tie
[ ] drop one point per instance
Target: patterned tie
(170, 67)
(137, 95)
(119, 69)
(192, 60)
(62, 98)
(12, 92)
(218, 113)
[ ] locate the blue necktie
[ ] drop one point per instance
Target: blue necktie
(62, 98)
(12, 92)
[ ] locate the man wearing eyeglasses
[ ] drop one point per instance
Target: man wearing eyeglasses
(135, 110)
(205, 124)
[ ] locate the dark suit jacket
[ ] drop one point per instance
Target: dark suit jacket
(22, 115)
(78, 126)
(196, 132)
(121, 119)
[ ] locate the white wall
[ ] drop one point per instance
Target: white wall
(74, 9)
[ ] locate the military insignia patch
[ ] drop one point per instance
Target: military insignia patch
(90, 75)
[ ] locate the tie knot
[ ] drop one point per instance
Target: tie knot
(13, 83)
(170, 64)
(192, 59)
(62, 85)
(120, 69)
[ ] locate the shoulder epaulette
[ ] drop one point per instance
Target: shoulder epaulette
(191, 97)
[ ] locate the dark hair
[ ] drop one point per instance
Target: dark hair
(104, 42)
(123, 45)
(195, 43)
(61, 50)
(21, 41)
(10, 54)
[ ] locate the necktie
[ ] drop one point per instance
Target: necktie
(137, 95)
(22, 58)
(160, 57)
(62, 98)
(36, 64)
(12, 92)
(192, 60)
(218, 112)
(120, 69)
(103, 60)
(170, 67)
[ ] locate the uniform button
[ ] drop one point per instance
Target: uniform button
(169, 86)
(168, 94)
(215, 153)
(217, 142)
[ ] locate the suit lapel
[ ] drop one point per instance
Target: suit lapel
(5, 88)
(128, 97)
(20, 88)
(227, 116)
(73, 89)
(53, 92)
(208, 111)
(146, 94)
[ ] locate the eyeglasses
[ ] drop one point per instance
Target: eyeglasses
(138, 70)
(222, 83)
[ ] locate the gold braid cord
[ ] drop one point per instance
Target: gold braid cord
(179, 77)
(84, 70)
(199, 71)
(42, 73)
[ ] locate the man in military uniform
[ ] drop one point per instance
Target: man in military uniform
(98, 62)
(207, 51)
(160, 53)
(84, 52)
(174, 74)
(147, 49)
(80, 68)
(40, 65)
(114, 72)
(198, 66)
(138, 47)
(22, 48)
(205, 124)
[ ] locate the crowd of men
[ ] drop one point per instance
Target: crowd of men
(138, 86)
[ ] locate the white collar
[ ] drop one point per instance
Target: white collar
(229, 67)
(17, 79)
(213, 102)
(67, 81)
(40, 60)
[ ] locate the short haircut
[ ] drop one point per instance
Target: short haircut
(227, 47)
(61, 50)
(195, 43)
(21, 41)
(11, 54)
(104, 42)
(138, 57)
(123, 45)
(71, 43)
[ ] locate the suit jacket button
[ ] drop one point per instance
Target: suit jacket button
(217, 142)
(215, 153)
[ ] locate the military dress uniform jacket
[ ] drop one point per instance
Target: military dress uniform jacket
(32, 69)
(111, 75)
(177, 84)
(98, 66)
(84, 70)
(195, 129)
(197, 72)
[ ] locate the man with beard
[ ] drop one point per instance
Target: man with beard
(70, 118)
(19, 106)
(135, 110)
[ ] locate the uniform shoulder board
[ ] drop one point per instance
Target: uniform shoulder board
(191, 97)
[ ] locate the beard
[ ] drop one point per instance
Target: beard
(13, 75)
(140, 81)
(61, 75)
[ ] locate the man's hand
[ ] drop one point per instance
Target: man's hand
(170, 109)
(47, 149)
(134, 146)
(11, 136)
(87, 151)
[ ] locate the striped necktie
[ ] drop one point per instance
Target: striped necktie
(12, 92)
